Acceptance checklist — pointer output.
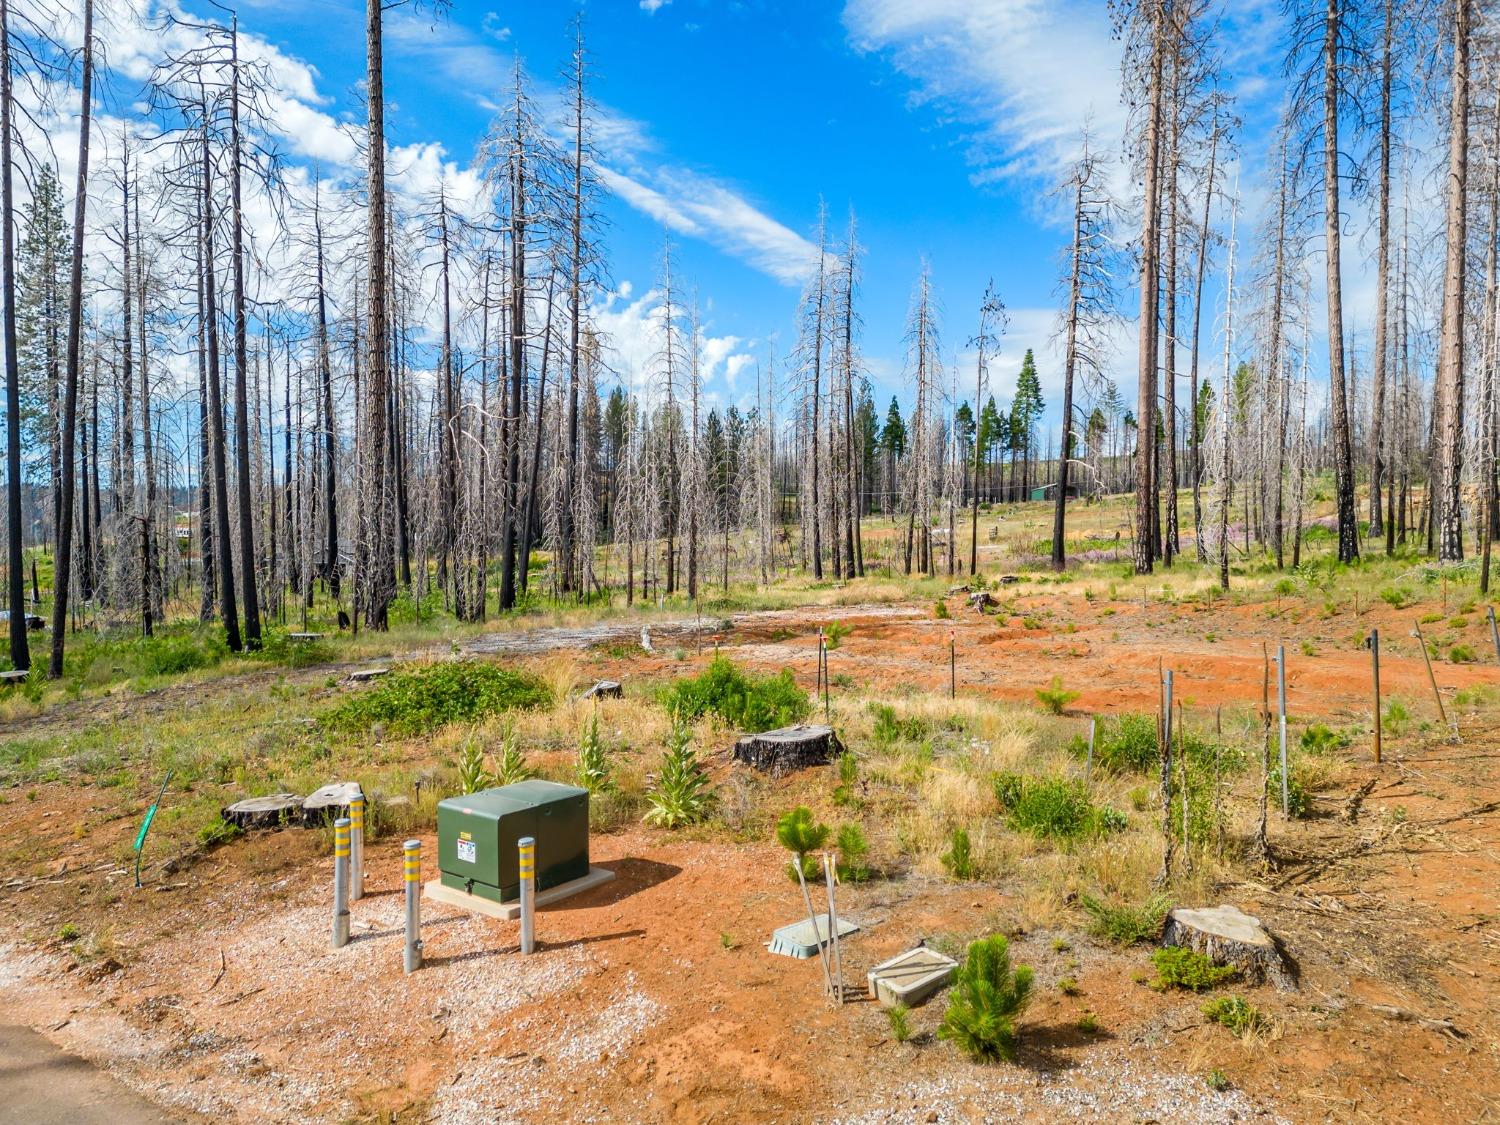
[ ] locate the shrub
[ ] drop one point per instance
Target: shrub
(218, 831)
(1234, 1012)
(1126, 923)
(801, 835)
(1397, 597)
(1088, 1023)
(752, 703)
(940, 610)
(854, 850)
(987, 999)
(1462, 654)
(682, 794)
(1056, 698)
(1177, 967)
(1068, 986)
(1298, 799)
(899, 1017)
(958, 860)
(1217, 1081)
(414, 700)
(1052, 806)
(834, 635)
(593, 762)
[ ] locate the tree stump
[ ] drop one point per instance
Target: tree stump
(981, 600)
(264, 812)
(325, 805)
(784, 751)
(604, 689)
(1229, 936)
(365, 675)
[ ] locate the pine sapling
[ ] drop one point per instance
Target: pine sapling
(987, 999)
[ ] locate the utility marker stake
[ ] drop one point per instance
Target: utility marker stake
(1494, 631)
(1286, 800)
(341, 882)
(1374, 643)
(952, 664)
(527, 860)
(1088, 767)
(411, 871)
(357, 849)
(833, 923)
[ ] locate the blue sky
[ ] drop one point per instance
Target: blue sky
(943, 123)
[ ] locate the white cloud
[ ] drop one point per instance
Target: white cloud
(1026, 74)
(650, 7)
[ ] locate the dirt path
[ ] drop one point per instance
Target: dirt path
(40, 1084)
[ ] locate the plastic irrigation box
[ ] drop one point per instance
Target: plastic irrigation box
(478, 832)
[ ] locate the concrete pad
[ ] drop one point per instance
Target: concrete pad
(801, 940)
(910, 978)
(511, 911)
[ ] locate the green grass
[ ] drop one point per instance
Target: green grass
(1234, 1012)
(1126, 923)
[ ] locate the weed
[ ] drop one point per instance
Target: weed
(844, 793)
(415, 700)
(1309, 649)
(593, 762)
(1429, 619)
(899, 1017)
(1178, 967)
(1234, 1012)
(1088, 1023)
(1397, 597)
(752, 703)
(1126, 923)
(473, 774)
(1055, 698)
(1068, 986)
(1322, 739)
(1126, 742)
(958, 860)
(1057, 807)
(682, 794)
(1217, 1080)
(801, 835)
(1462, 654)
(728, 940)
(1396, 718)
(218, 831)
(68, 931)
(1140, 798)
(1060, 945)
(891, 728)
(987, 999)
(512, 767)
(1298, 799)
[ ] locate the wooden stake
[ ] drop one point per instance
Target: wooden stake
(813, 921)
(833, 923)
(1432, 677)
(952, 664)
(1374, 643)
(1286, 801)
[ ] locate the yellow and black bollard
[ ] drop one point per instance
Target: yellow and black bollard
(341, 882)
(527, 858)
(411, 863)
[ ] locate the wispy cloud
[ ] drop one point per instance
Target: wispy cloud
(1023, 75)
(650, 7)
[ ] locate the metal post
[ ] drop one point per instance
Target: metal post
(341, 882)
(527, 846)
(952, 664)
(357, 848)
(1375, 666)
(1286, 797)
(833, 924)
(411, 870)
(1494, 632)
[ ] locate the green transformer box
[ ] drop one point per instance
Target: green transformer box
(477, 835)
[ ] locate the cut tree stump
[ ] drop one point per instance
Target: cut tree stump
(365, 675)
(264, 812)
(784, 751)
(325, 805)
(981, 600)
(1227, 935)
(604, 689)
